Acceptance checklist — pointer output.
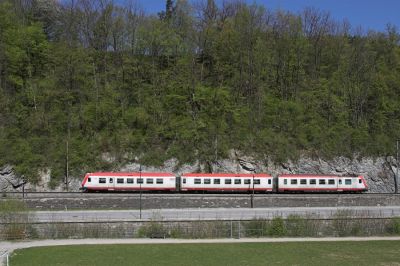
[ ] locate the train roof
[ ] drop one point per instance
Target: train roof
(158, 174)
(225, 175)
(312, 176)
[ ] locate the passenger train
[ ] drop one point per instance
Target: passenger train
(223, 182)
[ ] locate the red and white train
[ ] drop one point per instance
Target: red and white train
(321, 183)
(226, 182)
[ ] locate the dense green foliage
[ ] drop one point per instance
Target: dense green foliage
(301, 253)
(84, 80)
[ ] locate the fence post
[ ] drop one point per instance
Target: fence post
(5, 254)
(231, 229)
(239, 230)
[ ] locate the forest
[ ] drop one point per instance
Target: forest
(91, 85)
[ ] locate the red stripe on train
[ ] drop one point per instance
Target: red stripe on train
(227, 189)
(130, 188)
(321, 189)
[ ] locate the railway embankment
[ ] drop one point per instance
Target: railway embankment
(80, 201)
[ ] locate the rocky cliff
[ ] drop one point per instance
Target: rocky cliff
(379, 172)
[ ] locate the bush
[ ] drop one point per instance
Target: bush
(153, 230)
(277, 227)
(296, 226)
(394, 226)
(256, 228)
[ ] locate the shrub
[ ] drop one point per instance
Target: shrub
(296, 226)
(153, 230)
(277, 227)
(256, 228)
(393, 227)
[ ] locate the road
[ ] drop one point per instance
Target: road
(211, 214)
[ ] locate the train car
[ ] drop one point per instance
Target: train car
(103, 181)
(320, 183)
(226, 182)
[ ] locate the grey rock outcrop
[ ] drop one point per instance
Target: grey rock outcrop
(8, 180)
(379, 172)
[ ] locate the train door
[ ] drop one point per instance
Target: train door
(339, 185)
(275, 184)
(178, 183)
(111, 183)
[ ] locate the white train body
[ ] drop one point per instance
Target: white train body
(129, 182)
(320, 183)
(226, 182)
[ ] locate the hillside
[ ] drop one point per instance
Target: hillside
(92, 85)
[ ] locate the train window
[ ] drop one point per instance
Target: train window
(340, 181)
(149, 181)
(359, 181)
(313, 181)
(111, 180)
(228, 181)
(120, 180)
(159, 181)
(129, 180)
(238, 181)
(322, 181)
(207, 181)
(347, 181)
(293, 181)
(197, 181)
(102, 180)
(140, 180)
(184, 181)
(303, 181)
(256, 181)
(247, 182)
(285, 181)
(89, 179)
(331, 181)
(269, 181)
(217, 181)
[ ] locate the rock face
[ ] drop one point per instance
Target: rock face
(379, 172)
(9, 182)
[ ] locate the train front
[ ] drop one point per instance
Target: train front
(84, 183)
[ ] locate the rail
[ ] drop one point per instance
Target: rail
(175, 194)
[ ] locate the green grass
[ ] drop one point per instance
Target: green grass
(301, 253)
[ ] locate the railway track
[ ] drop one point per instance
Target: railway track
(110, 201)
(43, 195)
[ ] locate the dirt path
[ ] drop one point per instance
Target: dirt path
(9, 247)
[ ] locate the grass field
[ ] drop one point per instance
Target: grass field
(300, 253)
